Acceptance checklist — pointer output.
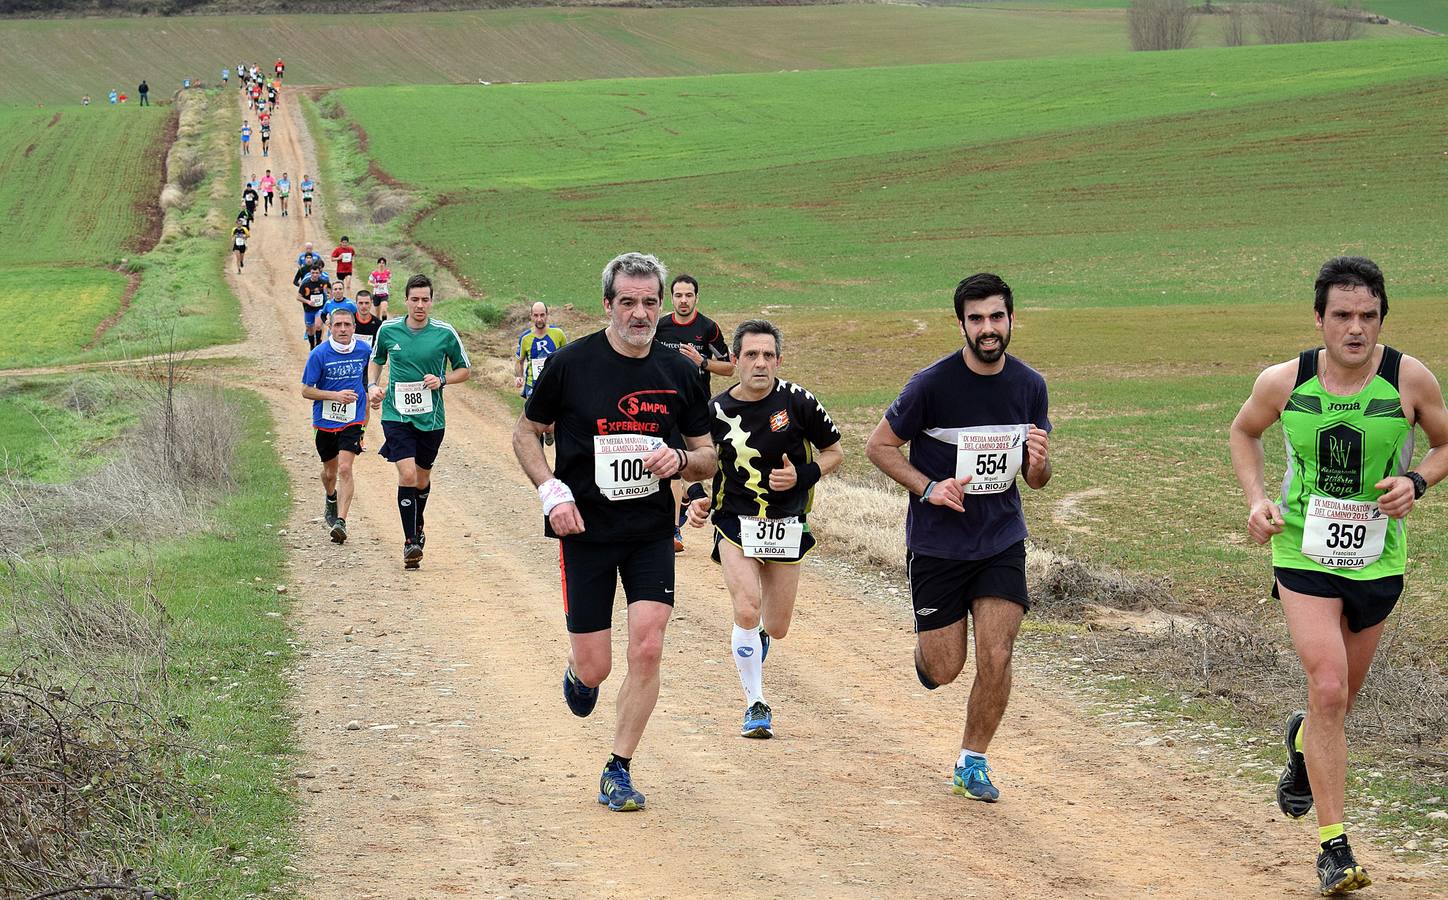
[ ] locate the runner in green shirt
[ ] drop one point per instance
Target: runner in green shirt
(417, 351)
(1339, 542)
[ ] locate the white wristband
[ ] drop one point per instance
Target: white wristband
(553, 492)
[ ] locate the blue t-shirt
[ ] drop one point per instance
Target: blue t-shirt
(332, 371)
(938, 403)
(306, 259)
(338, 304)
(245, 133)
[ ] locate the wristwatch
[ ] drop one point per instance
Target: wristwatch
(1420, 485)
(925, 494)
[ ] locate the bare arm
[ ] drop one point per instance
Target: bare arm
(829, 458)
(1422, 393)
(883, 449)
(564, 516)
(1263, 407)
(316, 393)
(720, 367)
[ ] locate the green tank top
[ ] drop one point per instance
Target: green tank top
(1337, 449)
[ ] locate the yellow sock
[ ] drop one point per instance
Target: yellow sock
(1328, 832)
(1297, 738)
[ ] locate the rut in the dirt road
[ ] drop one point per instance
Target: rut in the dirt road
(467, 776)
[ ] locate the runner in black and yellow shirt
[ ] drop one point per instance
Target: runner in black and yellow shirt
(775, 442)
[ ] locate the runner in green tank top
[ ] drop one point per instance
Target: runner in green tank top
(417, 351)
(1339, 542)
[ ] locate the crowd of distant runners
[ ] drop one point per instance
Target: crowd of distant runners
(642, 446)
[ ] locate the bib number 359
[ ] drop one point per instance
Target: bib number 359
(1343, 534)
(618, 465)
(411, 398)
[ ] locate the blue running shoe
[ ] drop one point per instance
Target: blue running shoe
(616, 790)
(579, 696)
(973, 780)
(764, 644)
(758, 721)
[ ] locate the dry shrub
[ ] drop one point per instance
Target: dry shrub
(1308, 21)
(1064, 587)
(80, 777)
(1235, 34)
(386, 204)
(171, 197)
(1161, 24)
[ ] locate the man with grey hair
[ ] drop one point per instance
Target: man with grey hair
(775, 441)
(611, 398)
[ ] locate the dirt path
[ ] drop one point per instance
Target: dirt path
(469, 777)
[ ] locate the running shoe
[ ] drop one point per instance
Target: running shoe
(758, 721)
(329, 511)
(764, 646)
(616, 790)
(411, 556)
(1337, 871)
(973, 780)
(678, 541)
(339, 531)
(1294, 791)
(421, 538)
(579, 696)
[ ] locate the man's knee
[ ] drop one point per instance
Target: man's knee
(645, 651)
(993, 660)
(592, 670)
(777, 628)
(1327, 692)
(940, 667)
(746, 611)
(344, 468)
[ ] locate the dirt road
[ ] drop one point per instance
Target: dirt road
(469, 777)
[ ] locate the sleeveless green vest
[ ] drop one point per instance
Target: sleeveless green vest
(1337, 449)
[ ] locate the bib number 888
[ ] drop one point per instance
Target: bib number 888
(412, 398)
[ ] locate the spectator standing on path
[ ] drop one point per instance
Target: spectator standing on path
(145, 91)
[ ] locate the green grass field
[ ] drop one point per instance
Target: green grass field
(55, 430)
(61, 60)
(1430, 14)
(1160, 217)
(55, 311)
(75, 183)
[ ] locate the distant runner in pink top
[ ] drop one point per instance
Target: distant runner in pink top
(380, 280)
(268, 188)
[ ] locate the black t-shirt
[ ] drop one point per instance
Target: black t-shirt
(939, 404)
(368, 328)
(314, 291)
(701, 332)
(609, 410)
(250, 196)
(752, 438)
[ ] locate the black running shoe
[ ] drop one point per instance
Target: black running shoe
(579, 696)
(1337, 871)
(411, 556)
(1294, 791)
(421, 538)
(339, 531)
(329, 510)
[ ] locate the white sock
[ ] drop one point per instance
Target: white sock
(967, 754)
(747, 650)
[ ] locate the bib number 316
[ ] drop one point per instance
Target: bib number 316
(770, 538)
(618, 465)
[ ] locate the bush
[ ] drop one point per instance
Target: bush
(1308, 21)
(1161, 24)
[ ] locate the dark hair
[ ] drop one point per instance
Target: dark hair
(382, 260)
(687, 278)
(344, 239)
(756, 326)
(1350, 272)
(364, 291)
(418, 281)
(978, 287)
(316, 265)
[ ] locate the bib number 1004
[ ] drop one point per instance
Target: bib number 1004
(618, 465)
(628, 469)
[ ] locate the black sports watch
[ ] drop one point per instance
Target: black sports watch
(1420, 484)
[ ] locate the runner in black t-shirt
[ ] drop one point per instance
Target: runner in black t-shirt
(697, 338)
(612, 397)
(249, 198)
(973, 421)
(367, 320)
(767, 433)
(312, 293)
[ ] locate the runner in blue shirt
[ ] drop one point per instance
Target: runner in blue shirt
(246, 138)
(335, 380)
(308, 187)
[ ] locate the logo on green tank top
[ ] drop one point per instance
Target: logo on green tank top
(1339, 460)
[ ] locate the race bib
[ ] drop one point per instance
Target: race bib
(346, 257)
(411, 398)
(337, 411)
(1343, 534)
(535, 367)
(316, 301)
(239, 243)
(990, 458)
(770, 538)
(618, 465)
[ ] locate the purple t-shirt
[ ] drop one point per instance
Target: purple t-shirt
(939, 402)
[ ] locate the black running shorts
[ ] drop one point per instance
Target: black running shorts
(591, 571)
(330, 443)
(1365, 603)
(403, 440)
(942, 590)
(726, 528)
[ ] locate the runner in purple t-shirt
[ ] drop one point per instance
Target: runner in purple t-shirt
(973, 421)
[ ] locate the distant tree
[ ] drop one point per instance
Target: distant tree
(1235, 34)
(1309, 21)
(1161, 24)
